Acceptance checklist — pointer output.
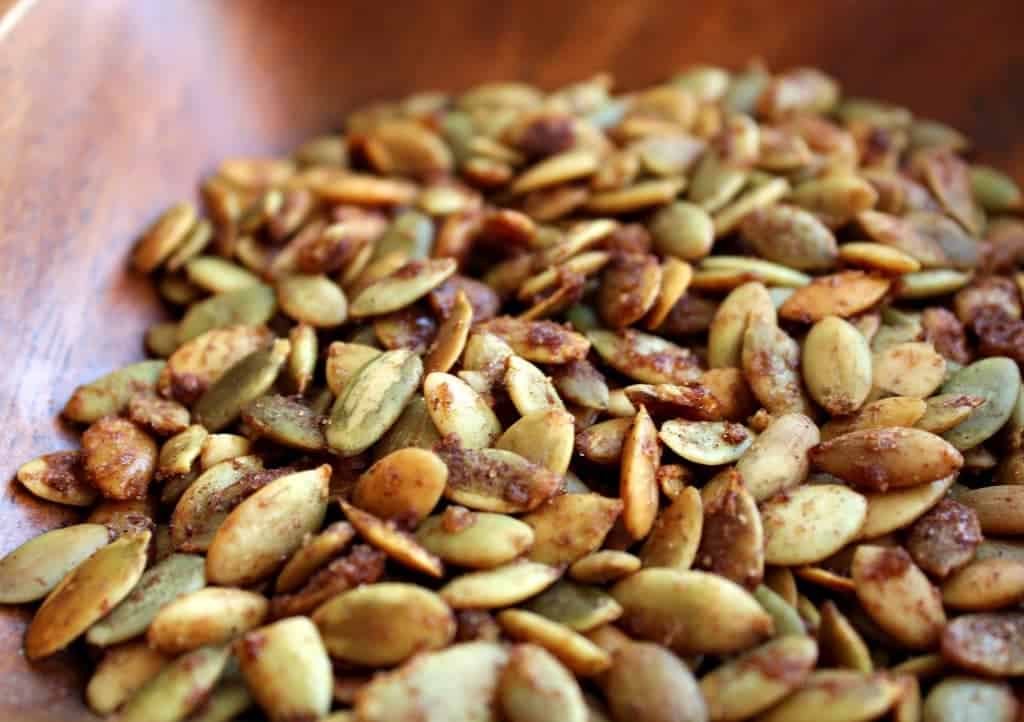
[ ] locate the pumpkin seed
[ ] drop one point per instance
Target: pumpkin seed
(413, 428)
(344, 361)
(555, 170)
(993, 379)
(691, 612)
(535, 686)
(163, 237)
(777, 459)
(898, 596)
(176, 575)
(284, 421)
(544, 437)
(250, 305)
(205, 616)
(878, 257)
(998, 508)
(897, 508)
(790, 236)
(842, 643)
(178, 689)
(384, 624)
(901, 411)
(676, 534)
(646, 681)
(362, 189)
(267, 527)
(640, 195)
(771, 366)
(836, 364)
(689, 401)
(222, 403)
(287, 669)
(32, 570)
(111, 394)
(537, 341)
(837, 695)
(645, 358)
(451, 337)
(842, 294)
(457, 684)
(198, 363)
(373, 401)
(405, 285)
(684, 230)
(530, 390)
(755, 681)
(578, 382)
(602, 567)
(811, 523)
(836, 198)
(58, 477)
(994, 190)
(948, 177)
(394, 542)
(87, 593)
(578, 607)
(121, 672)
(406, 483)
(478, 540)
(313, 299)
(732, 538)
(501, 586)
(764, 271)
(224, 704)
(877, 459)
(572, 649)
(570, 526)
(908, 369)
(496, 480)
(960, 697)
(756, 197)
(711, 443)
(638, 487)
(926, 284)
(984, 585)
(988, 643)
(786, 621)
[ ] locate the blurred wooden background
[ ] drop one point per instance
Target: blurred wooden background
(113, 108)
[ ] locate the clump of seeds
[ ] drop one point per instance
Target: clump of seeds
(701, 402)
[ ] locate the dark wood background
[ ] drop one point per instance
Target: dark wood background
(112, 109)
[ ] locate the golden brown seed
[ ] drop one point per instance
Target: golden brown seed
(843, 294)
(902, 411)
(119, 458)
(810, 523)
(406, 483)
(778, 458)
(535, 686)
(646, 681)
(58, 477)
(501, 586)
(985, 585)
(839, 695)
(207, 616)
(836, 365)
(163, 237)
(121, 672)
(572, 649)
(393, 541)
(602, 567)
(570, 526)
(637, 486)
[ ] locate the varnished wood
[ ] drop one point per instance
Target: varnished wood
(112, 109)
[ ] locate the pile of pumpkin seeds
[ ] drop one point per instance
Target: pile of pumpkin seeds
(701, 402)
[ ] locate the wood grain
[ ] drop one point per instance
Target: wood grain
(113, 109)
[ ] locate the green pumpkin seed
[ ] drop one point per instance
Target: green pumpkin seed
(162, 339)
(403, 287)
(927, 284)
(414, 428)
(267, 527)
(501, 586)
(178, 689)
(110, 394)
(993, 379)
(312, 299)
(457, 409)
(836, 198)
(383, 624)
(250, 305)
(32, 570)
(246, 381)
(683, 230)
(198, 512)
(786, 620)
(790, 236)
(535, 686)
(833, 695)
(176, 575)
(765, 271)
(393, 541)
(344, 361)
(646, 681)
(285, 421)
(200, 362)
(166, 235)
(577, 606)
(715, 183)
(570, 526)
(373, 401)
(995, 190)
(88, 592)
(121, 672)
(217, 275)
(477, 540)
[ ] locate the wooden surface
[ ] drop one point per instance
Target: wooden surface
(112, 110)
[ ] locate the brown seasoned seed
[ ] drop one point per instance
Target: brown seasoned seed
(901, 234)
(676, 534)
(645, 358)
(771, 366)
(535, 687)
(629, 287)
(791, 236)
(691, 612)
(528, 388)
(648, 682)
(579, 382)
(732, 542)
(110, 394)
(285, 421)
(810, 523)
(33, 569)
(687, 401)
(604, 566)
(496, 480)
(58, 477)
(393, 541)
(287, 669)
(267, 528)
(709, 443)
(206, 616)
(908, 369)
(753, 682)
(843, 294)
(344, 361)
(638, 487)
(384, 624)
(944, 539)
(778, 458)
(570, 526)
(119, 458)
(1000, 508)
(898, 596)
(988, 643)
(86, 594)
(412, 327)
(315, 552)
(575, 651)
(201, 361)
(901, 411)
(451, 336)
(406, 483)
(945, 411)
(162, 238)
(163, 417)
(544, 437)
(675, 279)
(879, 459)
(478, 540)
(537, 341)
(204, 505)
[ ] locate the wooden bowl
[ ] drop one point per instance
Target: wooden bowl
(113, 109)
